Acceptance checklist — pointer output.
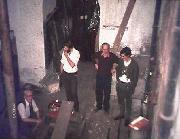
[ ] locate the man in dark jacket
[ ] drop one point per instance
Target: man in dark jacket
(104, 61)
(127, 73)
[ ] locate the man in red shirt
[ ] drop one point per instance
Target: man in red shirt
(104, 61)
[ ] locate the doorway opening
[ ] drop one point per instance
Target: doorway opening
(74, 20)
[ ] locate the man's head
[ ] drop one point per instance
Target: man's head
(28, 95)
(68, 46)
(125, 53)
(105, 47)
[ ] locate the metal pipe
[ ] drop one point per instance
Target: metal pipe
(168, 106)
(8, 68)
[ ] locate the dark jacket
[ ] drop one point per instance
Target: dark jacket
(105, 64)
(132, 71)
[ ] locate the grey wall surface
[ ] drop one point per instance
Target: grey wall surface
(139, 28)
(26, 19)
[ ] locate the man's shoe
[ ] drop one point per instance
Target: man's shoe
(127, 122)
(97, 109)
(118, 117)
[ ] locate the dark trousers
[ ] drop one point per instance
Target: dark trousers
(103, 90)
(25, 129)
(124, 93)
(70, 83)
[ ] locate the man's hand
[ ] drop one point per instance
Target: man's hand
(38, 121)
(96, 66)
(66, 54)
(113, 71)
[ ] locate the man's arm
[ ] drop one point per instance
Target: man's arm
(115, 63)
(113, 70)
(95, 60)
(38, 115)
(135, 74)
(71, 63)
(96, 66)
(31, 120)
(61, 67)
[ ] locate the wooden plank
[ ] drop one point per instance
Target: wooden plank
(8, 73)
(62, 121)
(127, 14)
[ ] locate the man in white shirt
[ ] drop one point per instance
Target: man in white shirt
(29, 115)
(69, 69)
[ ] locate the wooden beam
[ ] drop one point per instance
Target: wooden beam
(8, 68)
(117, 42)
(62, 121)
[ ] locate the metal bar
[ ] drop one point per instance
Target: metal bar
(119, 129)
(153, 58)
(62, 121)
(8, 68)
(108, 133)
(151, 81)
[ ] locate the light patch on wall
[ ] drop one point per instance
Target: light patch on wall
(108, 34)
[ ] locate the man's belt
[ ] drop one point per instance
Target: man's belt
(124, 82)
(74, 73)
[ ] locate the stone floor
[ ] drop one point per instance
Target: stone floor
(98, 125)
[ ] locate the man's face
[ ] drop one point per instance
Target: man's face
(124, 57)
(28, 95)
(66, 49)
(105, 49)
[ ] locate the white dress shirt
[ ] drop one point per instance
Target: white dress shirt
(24, 111)
(124, 78)
(74, 55)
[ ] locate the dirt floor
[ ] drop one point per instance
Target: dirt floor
(93, 125)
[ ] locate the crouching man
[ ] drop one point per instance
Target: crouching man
(29, 116)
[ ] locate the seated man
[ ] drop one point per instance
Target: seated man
(29, 116)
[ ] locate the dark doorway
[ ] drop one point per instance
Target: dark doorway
(75, 20)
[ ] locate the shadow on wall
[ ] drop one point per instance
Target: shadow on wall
(145, 46)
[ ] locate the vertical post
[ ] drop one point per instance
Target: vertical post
(8, 68)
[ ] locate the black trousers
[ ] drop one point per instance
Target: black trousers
(124, 93)
(103, 90)
(25, 129)
(70, 82)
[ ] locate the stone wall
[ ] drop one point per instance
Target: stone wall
(26, 19)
